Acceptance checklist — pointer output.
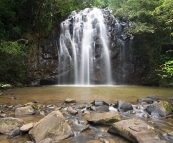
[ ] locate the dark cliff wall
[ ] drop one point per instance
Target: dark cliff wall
(128, 60)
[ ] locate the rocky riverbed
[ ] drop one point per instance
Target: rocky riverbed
(147, 120)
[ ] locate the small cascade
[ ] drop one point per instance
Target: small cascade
(83, 54)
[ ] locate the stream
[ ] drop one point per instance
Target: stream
(52, 95)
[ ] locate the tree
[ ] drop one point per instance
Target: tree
(153, 22)
(24, 24)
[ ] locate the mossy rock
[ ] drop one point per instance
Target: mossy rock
(161, 108)
(112, 120)
(51, 126)
(103, 118)
(8, 124)
(136, 131)
(167, 106)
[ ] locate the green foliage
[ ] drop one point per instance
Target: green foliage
(166, 73)
(139, 28)
(13, 58)
(164, 18)
(138, 12)
(167, 69)
(153, 22)
(24, 24)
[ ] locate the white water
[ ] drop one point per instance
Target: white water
(77, 52)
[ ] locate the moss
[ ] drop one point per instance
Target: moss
(38, 106)
(124, 133)
(112, 120)
(167, 106)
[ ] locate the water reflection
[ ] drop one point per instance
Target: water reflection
(56, 94)
(53, 94)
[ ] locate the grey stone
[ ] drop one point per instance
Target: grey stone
(27, 127)
(53, 126)
(8, 124)
(147, 100)
(103, 118)
(69, 100)
(161, 108)
(125, 106)
(3, 115)
(29, 142)
(23, 111)
(47, 140)
(16, 106)
(72, 111)
(136, 131)
(15, 132)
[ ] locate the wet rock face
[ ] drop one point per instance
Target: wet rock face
(53, 126)
(159, 109)
(136, 131)
(10, 125)
(128, 122)
(27, 127)
(23, 111)
(128, 66)
(105, 118)
(124, 106)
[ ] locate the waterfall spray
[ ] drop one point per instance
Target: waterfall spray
(84, 48)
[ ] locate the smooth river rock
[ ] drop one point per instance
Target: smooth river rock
(136, 131)
(51, 126)
(147, 100)
(69, 100)
(161, 108)
(124, 106)
(27, 127)
(23, 111)
(71, 111)
(9, 124)
(103, 118)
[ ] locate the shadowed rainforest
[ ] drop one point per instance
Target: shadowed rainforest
(90, 71)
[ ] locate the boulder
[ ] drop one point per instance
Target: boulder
(27, 127)
(47, 140)
(23, 111)
(99, 103)
(3, 115)
(72, 111)
(14, 132)
(153, 97)
(103, 108)
(9, 124)
(103, 118)
(136, 131)
(77, 126)
(124, 106)
(94, 141)
(170, 98)
(51, 126)
(16, 106)
(69, 100)
(161, 108)
(147, 100)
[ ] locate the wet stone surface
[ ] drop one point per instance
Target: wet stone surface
(91, 122)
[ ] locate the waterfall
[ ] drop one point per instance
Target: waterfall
(83, 53)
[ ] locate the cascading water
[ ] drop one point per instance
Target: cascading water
(84, 49)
